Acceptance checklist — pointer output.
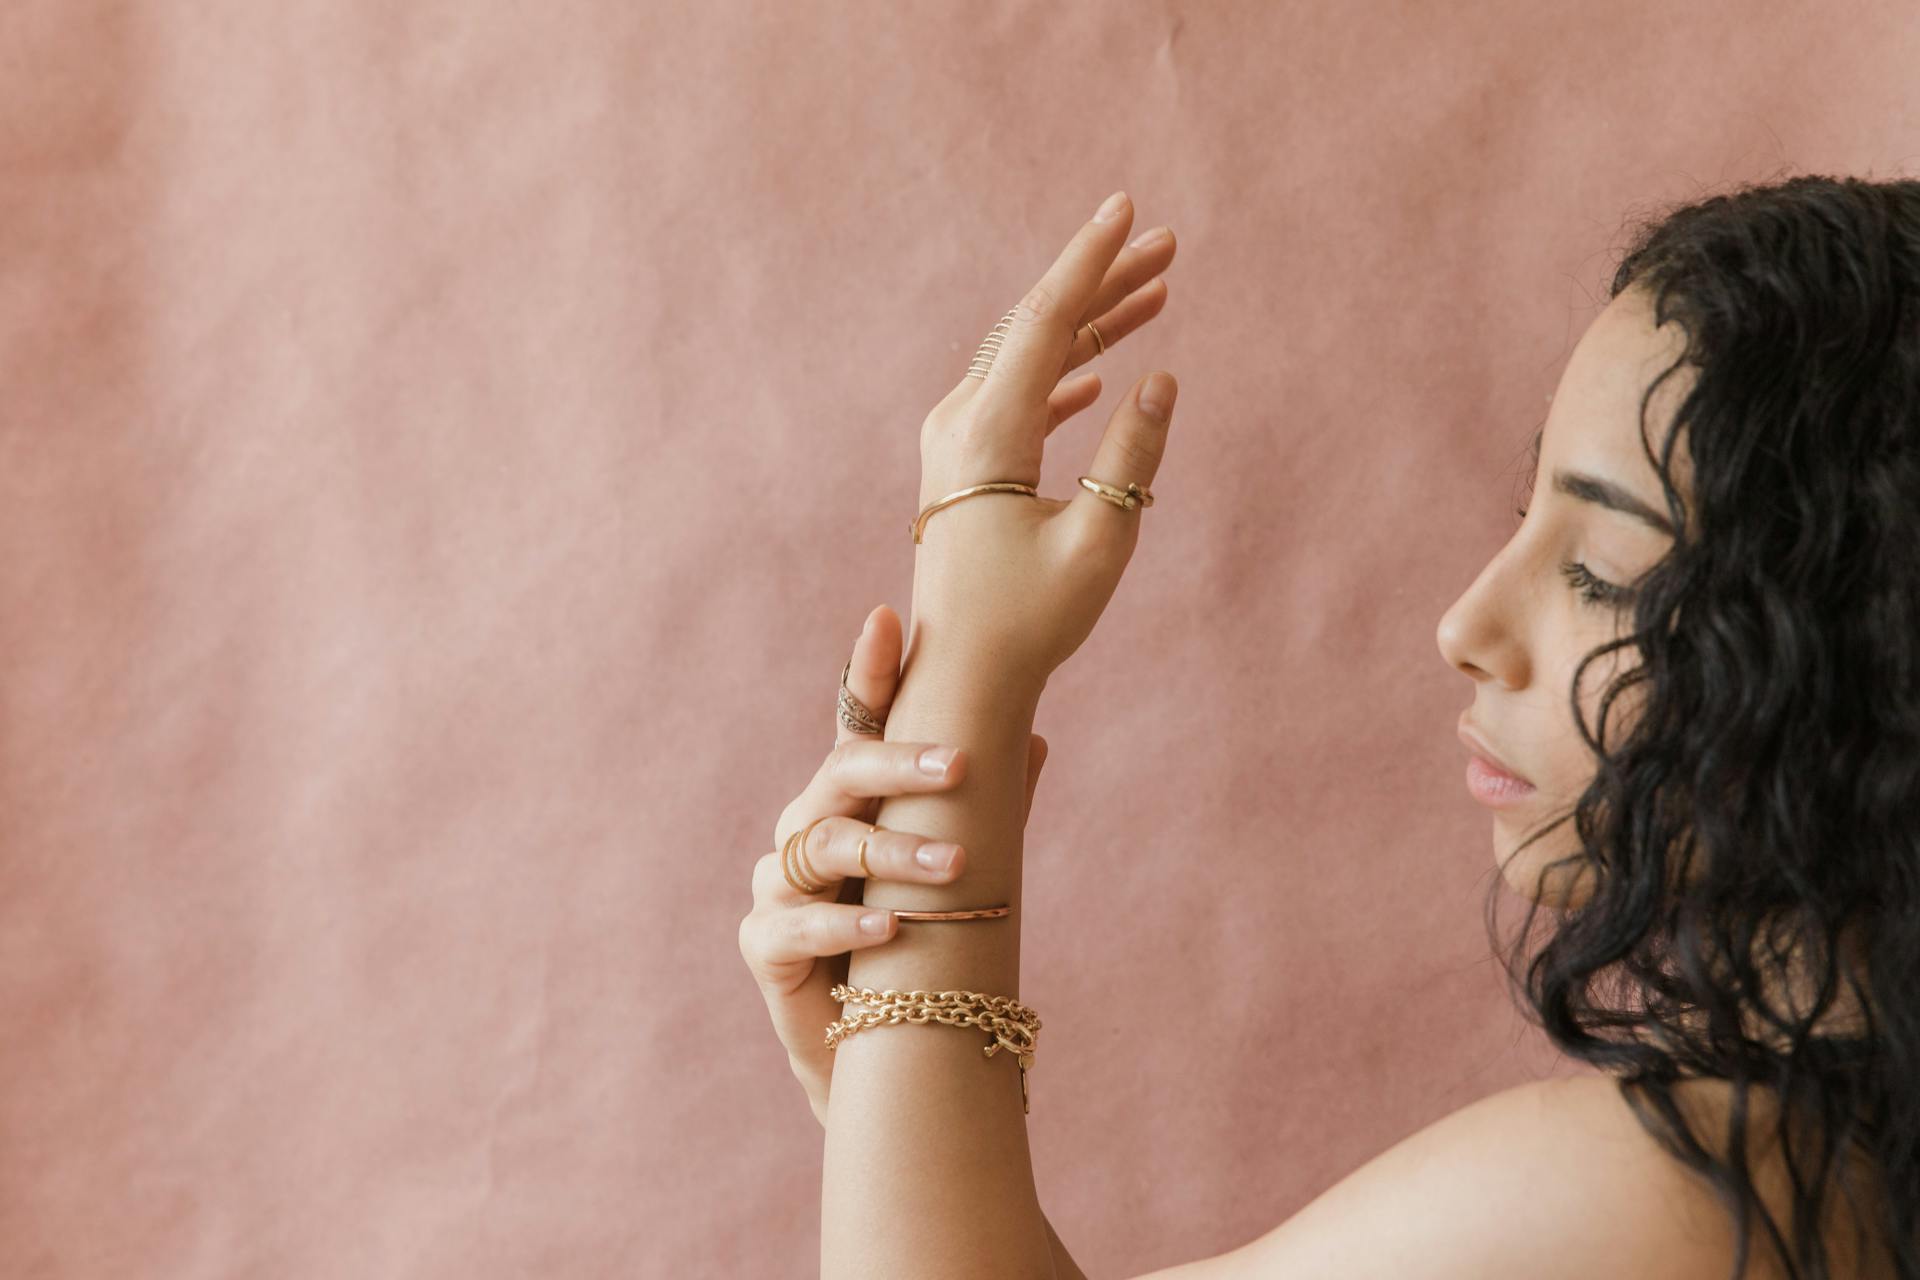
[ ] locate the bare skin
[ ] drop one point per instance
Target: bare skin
(1553, 1177)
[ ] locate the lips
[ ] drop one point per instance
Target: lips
(1478, 745)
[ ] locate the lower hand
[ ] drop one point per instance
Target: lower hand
(796, 944)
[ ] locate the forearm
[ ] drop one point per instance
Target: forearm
(1064, 1267)
(927, 1171)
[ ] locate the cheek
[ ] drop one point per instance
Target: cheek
(1600, 673)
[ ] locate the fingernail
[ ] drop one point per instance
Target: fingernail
(1156, 397)
(936, 857)
(1146, 238)
(1111, 209)
(875, 922)
(934, 761)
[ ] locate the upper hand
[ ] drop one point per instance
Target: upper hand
(1021, 579)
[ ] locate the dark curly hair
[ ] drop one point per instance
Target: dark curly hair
(1766, 796)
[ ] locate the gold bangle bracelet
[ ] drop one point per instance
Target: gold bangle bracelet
(981, 913)
(919, 523)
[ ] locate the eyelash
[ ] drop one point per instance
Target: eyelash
(1594, 591)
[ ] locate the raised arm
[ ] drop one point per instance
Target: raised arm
(927, 1172)
(796, 939)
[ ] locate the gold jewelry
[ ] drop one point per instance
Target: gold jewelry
(995, 486)
(990, 347)
(864, 870)
(1131, 498)
(1013, 1026)
(793, 876)
(981, 913)
(1097, 340)
(855, 714)
(793, 861)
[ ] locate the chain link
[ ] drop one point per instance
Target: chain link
(1013, 1026)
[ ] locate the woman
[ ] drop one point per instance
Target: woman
(1695, 677)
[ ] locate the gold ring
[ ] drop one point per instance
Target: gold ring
(856, 715)
(1097, 340)
(990, 346)
(787, 868)
(796, 860)
(1131, 498)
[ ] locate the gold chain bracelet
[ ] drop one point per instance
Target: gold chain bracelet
(1013, 1026)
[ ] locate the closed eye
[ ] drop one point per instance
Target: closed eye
(1593, 591)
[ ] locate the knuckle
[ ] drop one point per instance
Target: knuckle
(1140, 454)
(834, 767)
(767, 873)
(1038, 304)
(813, 932)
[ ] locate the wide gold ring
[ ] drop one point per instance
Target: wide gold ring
(1131, 498)
(856, 715)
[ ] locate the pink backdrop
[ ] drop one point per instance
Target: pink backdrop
(449, 449)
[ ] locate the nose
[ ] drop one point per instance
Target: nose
(1478, 634)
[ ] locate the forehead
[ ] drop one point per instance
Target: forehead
(1594, 423)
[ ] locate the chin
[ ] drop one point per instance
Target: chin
(1565, 886)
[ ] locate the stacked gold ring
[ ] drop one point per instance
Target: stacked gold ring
(794, 864)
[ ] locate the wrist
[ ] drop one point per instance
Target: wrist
(970, 675)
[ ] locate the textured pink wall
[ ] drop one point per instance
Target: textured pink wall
(449, 449)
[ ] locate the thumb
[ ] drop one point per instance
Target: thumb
(1036, 760)
(1129, 453)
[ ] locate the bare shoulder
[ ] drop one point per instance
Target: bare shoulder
(1548, 1178)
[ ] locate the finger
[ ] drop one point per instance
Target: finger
(862, 768)
(783, 949)
(865, 766)
(1034, 352)
(1132, 313)
(1129, 453)
(831, 853)
(1036, 760)
(873, 675)
(1071, 397)
(1148, 255)
(1121, 305)
(816, 929)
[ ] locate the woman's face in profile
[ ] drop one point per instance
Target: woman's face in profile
(1547, 597)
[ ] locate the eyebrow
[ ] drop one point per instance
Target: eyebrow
(1588, 488)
